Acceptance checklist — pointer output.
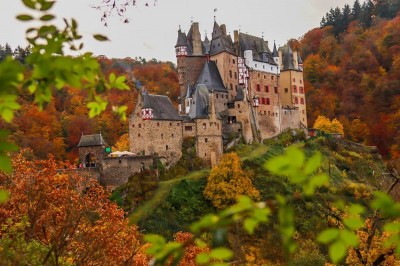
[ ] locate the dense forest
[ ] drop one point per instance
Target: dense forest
(58, 128)
(352, 70)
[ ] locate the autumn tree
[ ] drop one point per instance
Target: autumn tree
(324, 124)
(227, 181)
(69, 214)
(122, 144)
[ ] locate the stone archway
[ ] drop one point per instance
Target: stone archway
(90, 160)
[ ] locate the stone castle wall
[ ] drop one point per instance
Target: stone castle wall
(228, 68)
(116, 171)
(157, 136)
(209, 146)
(189, 68)
(97, 151)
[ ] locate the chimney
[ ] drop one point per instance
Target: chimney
(223, 29)
(196, 39)
(235, 36)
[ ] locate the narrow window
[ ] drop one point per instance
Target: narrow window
(206, 140)
(258, 88)
(268, 102)
(235, 75)
(266, 88)
(140, 125)
(230, 73)
(204, 125)
(166, 147)
(276, 89)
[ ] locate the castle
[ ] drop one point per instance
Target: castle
(228, 89)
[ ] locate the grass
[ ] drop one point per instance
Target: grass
(161, 193)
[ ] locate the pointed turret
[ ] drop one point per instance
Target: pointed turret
(287, 58)
(275, 54)
(181, 44)
(147, 109)
(299, 61)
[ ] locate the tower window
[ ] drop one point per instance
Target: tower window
(276, 89)
(140, 125)
(170, 124)
(286, 90)
(266, 88)
(230, 73)
(258, 88)
(166, 147)
(206, 140)
(204, 126)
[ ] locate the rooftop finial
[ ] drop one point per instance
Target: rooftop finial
(215, 17)
(262, 35)
(179, 27)
(191, 20)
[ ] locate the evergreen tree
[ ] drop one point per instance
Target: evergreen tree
(367, 14)
(346, 17)
(356, 11)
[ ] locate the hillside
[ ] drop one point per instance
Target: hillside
(355, 173)
(352, 72)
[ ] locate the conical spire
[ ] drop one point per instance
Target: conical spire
(275, 51)
(182, 40)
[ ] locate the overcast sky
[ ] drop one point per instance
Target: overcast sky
(152, 30)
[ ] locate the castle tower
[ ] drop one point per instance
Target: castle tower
(147, 109)
(190, 60)
(209, 145)
(292, 93)
(91, 150)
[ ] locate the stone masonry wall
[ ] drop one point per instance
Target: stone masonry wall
(116, 171)
(209, 140)
(97, 151)
(228, 68)
(189, 68)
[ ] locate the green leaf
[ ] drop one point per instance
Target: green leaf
(4, 195)
(356, 209)
(349, 238)
(249, 225)
(47, 17)
(353, 223)
(328, 235)
(5, 164)
(200, 243)
(29, 3)
(24, 17)
(47, 5)
(313, 163)
(392, 227)
(221, 253)
(337, 251)
(112, 78)
(202, 258)
(100, 37)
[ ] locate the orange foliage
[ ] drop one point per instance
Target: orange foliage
(375, 253)
(69, 214)
(227, 181)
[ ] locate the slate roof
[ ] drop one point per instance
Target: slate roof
(259, 47)
(182, 40)
(220, 42)
(206, 45)
(200, 103)
(239, 95)
(275, 51)
(91, 140)
(211, 78)
(287, 58)
(162, 106)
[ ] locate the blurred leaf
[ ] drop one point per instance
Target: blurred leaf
(100, 37)
(24, 17)
(328, 235)
(47, 17)
(337, 251)
(221, 253)
(4, 195)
